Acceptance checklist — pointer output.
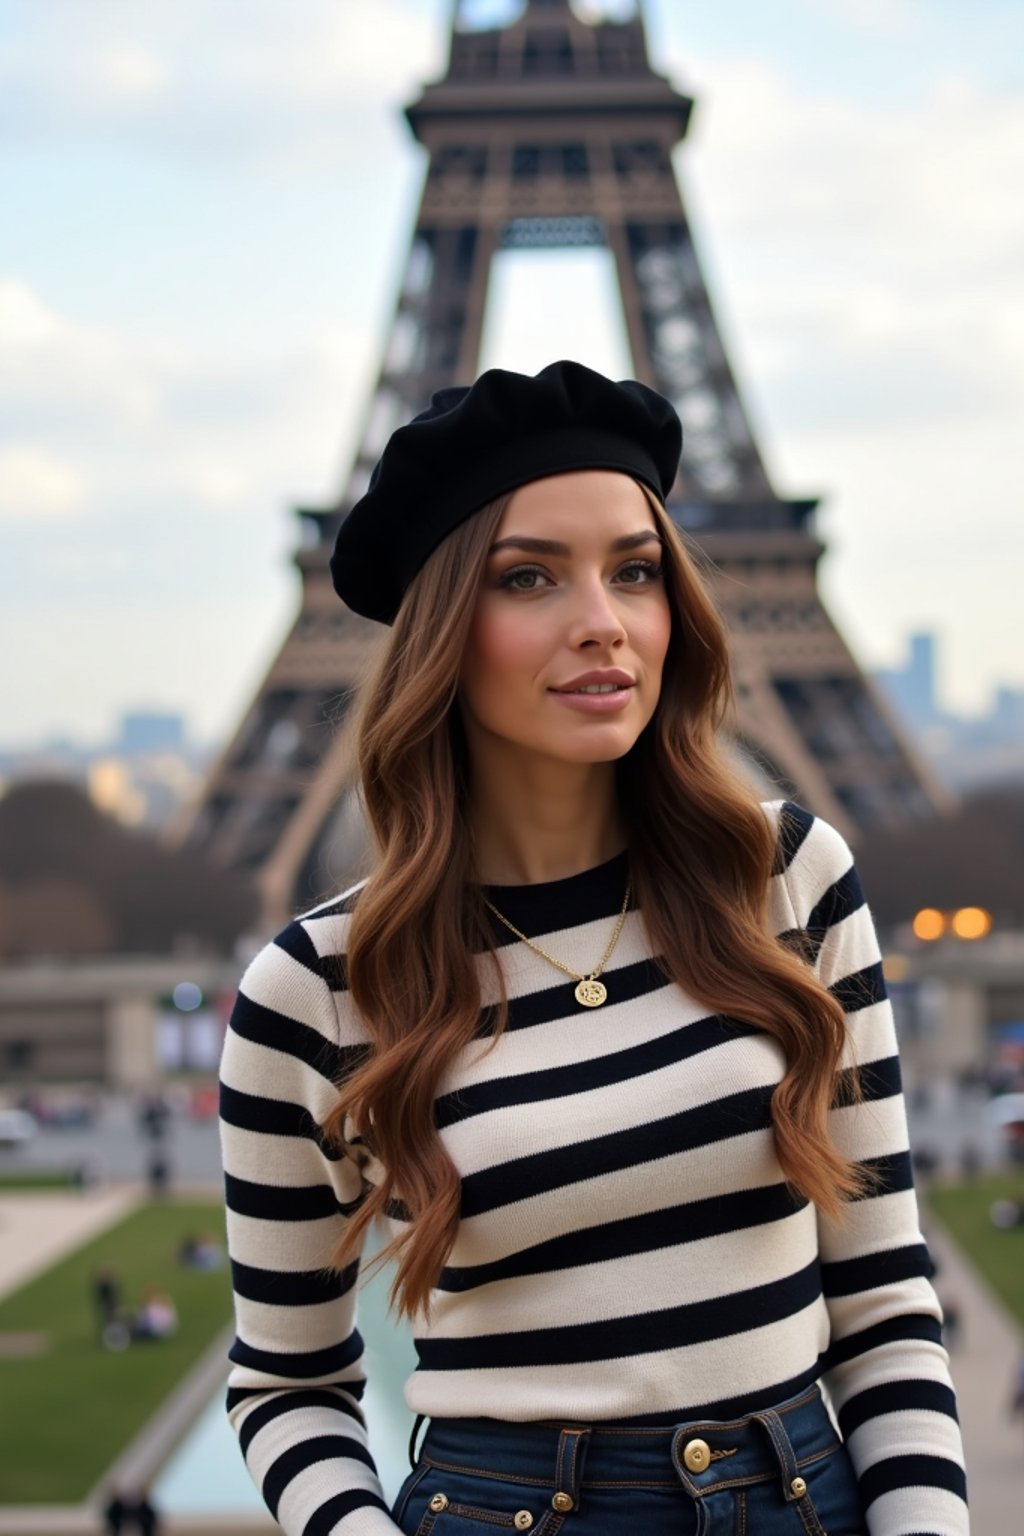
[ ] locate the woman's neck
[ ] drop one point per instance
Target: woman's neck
(542, 821)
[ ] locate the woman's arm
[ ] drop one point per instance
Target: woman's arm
(297, 1360)
(886, 1369)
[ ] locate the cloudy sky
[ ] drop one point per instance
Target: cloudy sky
(204, 211)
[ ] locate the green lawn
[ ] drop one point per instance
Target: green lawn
(54, 1178)
(66, 1413)
(963, 1210)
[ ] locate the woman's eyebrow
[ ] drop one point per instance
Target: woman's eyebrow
(555, 547)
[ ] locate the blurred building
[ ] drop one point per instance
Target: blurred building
(967, 752)
(957, 1003)
(111, 1021)
(912, 687)
(146, 734)
(948, 900)
(116, 953)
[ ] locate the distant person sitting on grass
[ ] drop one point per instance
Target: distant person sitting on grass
(157, 1318)
(1006, 1214)
(202, 1252)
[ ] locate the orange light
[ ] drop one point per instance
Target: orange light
(972, 923)
(929, 923)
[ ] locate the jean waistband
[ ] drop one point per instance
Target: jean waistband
(702, 1454)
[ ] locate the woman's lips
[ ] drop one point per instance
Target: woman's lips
(597, 677)
(595, 703)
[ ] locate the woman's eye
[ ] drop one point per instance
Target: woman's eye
(638, 572)
(524, 578)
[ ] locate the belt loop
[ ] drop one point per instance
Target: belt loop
(572, 1454)
(784, 1452)
(412, 1440)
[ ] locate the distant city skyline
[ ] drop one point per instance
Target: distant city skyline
(204, 228)
(150, 763)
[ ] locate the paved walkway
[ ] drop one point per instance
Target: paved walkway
(37, 1229)
(983, 1359)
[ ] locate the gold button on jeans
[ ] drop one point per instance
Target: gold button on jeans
(697, 1456)
(439, 1502)
(523, 1520)
(562, 1502)
(798, 1486)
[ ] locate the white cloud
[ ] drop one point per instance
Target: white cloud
(24, 318)
(34, 485)
(127, 72)
(879, 248)
(878, 18)
(178, 415)
(56, 369)
(193, 80)
(779, 153)
(182, 508)
(220, 485)
(605, 10)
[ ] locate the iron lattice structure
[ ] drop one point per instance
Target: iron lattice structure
(555, 131)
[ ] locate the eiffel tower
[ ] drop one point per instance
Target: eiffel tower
(552, 131)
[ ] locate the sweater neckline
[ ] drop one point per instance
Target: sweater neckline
(546, 905)
(566, 883)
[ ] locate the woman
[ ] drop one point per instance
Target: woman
(602, 1039)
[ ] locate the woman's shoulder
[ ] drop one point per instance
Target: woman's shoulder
(301, 973)
(810, 853)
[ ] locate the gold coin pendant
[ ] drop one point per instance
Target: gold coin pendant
(591, 993)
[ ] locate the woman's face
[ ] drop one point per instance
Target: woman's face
(572, 621)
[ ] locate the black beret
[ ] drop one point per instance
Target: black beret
(473, 444)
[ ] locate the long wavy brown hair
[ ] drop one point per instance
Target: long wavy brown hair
(701, 854)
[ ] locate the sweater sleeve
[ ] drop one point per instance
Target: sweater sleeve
(886, 1369)
(297, 1376)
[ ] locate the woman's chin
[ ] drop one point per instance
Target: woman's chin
(597, 744)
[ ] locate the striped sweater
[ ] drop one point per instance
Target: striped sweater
(627, 1248)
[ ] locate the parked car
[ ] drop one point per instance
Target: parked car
(16, 1127)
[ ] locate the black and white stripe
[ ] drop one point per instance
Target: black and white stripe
(628, 1247)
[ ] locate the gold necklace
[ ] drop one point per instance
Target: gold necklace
(590, 992)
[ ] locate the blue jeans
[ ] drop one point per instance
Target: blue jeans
(780, 1472)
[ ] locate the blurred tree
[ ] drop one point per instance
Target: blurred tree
(74, 881)
(972, 857)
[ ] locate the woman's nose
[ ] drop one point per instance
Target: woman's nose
(596, 619)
